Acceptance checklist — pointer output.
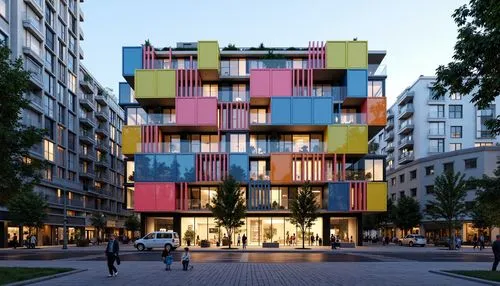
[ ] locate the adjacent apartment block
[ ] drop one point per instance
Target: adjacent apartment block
(425, 136)
(274, 118)
(83, 121)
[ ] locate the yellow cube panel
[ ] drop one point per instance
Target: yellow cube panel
(336, 55)
(357, 55)
(208, 55)
(357, 142)
(376, 196)
(336, 138)
(131, 137)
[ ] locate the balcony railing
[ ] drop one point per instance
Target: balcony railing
(377, 70)
(259, 175)
(406, 108)
(349, 118)
(406, 140)
(260, 119)
(480, 134)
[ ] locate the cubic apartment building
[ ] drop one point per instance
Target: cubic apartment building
(421, 131)
(272, 118)
(78, 116)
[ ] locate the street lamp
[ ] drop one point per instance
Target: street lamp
(65, 222)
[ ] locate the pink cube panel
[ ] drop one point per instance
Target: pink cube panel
(260, 83)
(185, 111)
(206, 111)
(281, 82)
(154, 197)
(165, 196)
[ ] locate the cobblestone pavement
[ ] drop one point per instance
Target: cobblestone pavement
(328, 273)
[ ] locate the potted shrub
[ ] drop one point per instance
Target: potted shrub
(189, 236)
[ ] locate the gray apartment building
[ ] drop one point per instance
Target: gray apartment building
(424, 135)
(82, 119)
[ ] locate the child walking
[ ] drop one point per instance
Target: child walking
(186, 257)
(167, 258)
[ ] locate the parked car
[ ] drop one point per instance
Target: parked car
(158, 239)
(413, 239)
(443, 241)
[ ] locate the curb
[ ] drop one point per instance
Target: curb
(45, 278)
(458, 276)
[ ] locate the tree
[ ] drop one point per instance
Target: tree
(475, 66)
(18, 172)
(406, 213)
(98, 220)
(228, 207)
(133, 223)
(448, 204)
(28, 209)
(304, 210)
(378, 220)
(485, 212)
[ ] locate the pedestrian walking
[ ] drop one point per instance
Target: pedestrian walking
(112, 250)
(496, 252)
(293, 240)
(33, 241)
(167, 258)
(317, 239)
(244, 240)
(320, 241)
(287, 238)
(186, 258)
(474, 241)
(481, 242)
(239, 239)
(14, 241)
(312, 239)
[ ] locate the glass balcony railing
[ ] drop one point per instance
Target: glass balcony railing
(406, 140)
(260, 175)
(406, 156)
(260, 119)
(407, 108)
(349, 118)
(406, 123)
(377, 70)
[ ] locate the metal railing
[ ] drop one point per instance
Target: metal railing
(349, 118)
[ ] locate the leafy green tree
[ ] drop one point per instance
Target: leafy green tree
(27, 208)
(485, 213)
(18, 172)
(406, 213)
(379, 220)
(475, 66)
(98, 220)
(304, 210)
(448, 203)
(133, 223)
(228, 207)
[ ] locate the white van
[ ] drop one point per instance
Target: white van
(158, 239)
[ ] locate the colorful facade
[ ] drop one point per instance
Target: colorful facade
(274, 118)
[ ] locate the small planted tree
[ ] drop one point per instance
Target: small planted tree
(406, 213)
(98, 220)
(449, 201)
(304, 210)
(28, 209)
(485, 211)
(133, 224)
(228, 207)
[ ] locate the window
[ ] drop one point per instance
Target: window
(72, 82)
(60, 135)
(436, 128)
(455, 111)
(210, 90)
(429, 170)
(301, 143)
(436, 111)
(48, 106)
(172, 143)
(209, 143)
(71, 141)
(71, 122)
(402, 178)
(49, 16)
(436, 145)
(49, 61)
(374, 169)
(71, 44)
(401, 194)
(393, 181)
(413, 192)
(375, 88)
(48, 150)
(239, 92)
(456, 131)
(258, 116)
(393, 197)
(470, 163)
(413, 175)
(258, 170)
(48, 83)
(71, 63)
(47, 175)
(429, 189)
(483, 144)
(482, 116)
(49, 39)
(432, 94)
(62, 30)
(238, 143)
(3, 8)
(49, 125)
(60, 156)
(455, 96)
(61, 113)
(448, 167)
(33, 44)
(62, 72)
(455, 146)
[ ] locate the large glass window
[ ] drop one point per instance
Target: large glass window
(482, 116)
(344, 229)
(436, 145)
(258, 116)
(48, 106)
(33, 44)
(172, 143)
(374, 169)
(239, 92)
(436, 111)
(210, 90)
(3, 8)
(48, 150)
(436, 128)
(455, 146)
(301, 143)
(456, 132)
(258, 170)
(455, 111)
(238, 143)
(375, 88)
(209, 143)
(258, 144)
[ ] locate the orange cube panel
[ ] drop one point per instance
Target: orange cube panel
(281, 168)
(375, 109)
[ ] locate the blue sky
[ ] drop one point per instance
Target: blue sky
(417, 35)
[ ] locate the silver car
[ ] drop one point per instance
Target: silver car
(413, 239)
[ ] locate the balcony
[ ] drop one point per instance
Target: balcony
(102, 177)
(82, 35)
(389, 147)
(36, 6)
(87, 155)
(34, 27)
(87, 120)
(389, 136)
(406, 111)
(481, 134)
(87, 136)
(35, 101)
(406, 97)
(102, 129)
(390, 157)
(87, 101)
(406, 157)
(260, 176)
(86, 172)
(87, 85)
(103, 163)
(81, 54)
(431, 99)
(102, 98)
(102, 115)
(406, 127)
(390, 115)
(405, 142)
(349, 118)
(103, 146)
(390, 125)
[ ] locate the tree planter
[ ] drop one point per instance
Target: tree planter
(204, 243)
(270, 245)
(347, 245)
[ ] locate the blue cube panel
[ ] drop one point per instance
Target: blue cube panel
(164, 168)
(322, 110)
(338, 197)
(357, 83)
(302, 110)
(132, 60)
(124, 93)
(186, 168)
(144, 168)
(280, 111)
(238, 167)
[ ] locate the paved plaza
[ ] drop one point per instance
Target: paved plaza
(319, 266)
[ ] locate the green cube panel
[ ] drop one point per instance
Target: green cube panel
(336, 55)
(165, 82)
(208, 55)
(357, 55)
(154, 84)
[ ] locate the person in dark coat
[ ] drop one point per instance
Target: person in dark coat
(112, 250)
(496, 252)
